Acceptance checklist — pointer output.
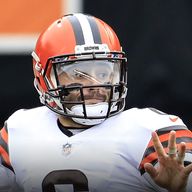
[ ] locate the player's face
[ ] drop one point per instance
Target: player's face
(86, 74)
(91, 95)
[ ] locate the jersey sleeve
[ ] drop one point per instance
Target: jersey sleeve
(7, 175)
(182, 135)
(4, 149)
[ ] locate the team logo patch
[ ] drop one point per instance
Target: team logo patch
(66, 149)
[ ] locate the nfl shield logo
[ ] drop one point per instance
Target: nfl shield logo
(66, 149)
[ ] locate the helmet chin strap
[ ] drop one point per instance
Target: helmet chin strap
(97, 110)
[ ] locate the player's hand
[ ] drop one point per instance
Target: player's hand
(170, 173)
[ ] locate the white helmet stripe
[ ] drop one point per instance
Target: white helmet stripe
(86, 28)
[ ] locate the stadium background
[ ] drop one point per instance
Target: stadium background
(155, 34)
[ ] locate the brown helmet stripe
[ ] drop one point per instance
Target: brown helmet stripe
(95, 30)
(77, 29)
(85, 28)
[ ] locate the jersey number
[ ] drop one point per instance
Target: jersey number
(74, 177)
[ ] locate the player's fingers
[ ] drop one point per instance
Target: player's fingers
(181, 152)
(188, 169)
(150, 169)
(172, 146)
(157, 145)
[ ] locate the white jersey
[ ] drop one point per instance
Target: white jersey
(110, 155)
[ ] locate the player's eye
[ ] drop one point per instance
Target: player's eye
(102, 75)
(74, 85)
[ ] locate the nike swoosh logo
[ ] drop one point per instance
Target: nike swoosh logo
(173, 119)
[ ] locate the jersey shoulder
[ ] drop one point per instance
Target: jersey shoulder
(154, 119)
(27, 116)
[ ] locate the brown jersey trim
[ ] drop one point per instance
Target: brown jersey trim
(4, 150)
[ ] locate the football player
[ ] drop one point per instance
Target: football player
(81, 139)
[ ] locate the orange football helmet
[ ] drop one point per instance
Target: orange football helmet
(83, 47)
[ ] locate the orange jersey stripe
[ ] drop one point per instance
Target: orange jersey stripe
(153, 156)
(150, 155)
(5, 156)
(179, 133)
(4, 135)
(188, 146)
(150, 158)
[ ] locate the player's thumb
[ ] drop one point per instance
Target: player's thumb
(150, 169)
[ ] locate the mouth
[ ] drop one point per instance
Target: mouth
(93, 101)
